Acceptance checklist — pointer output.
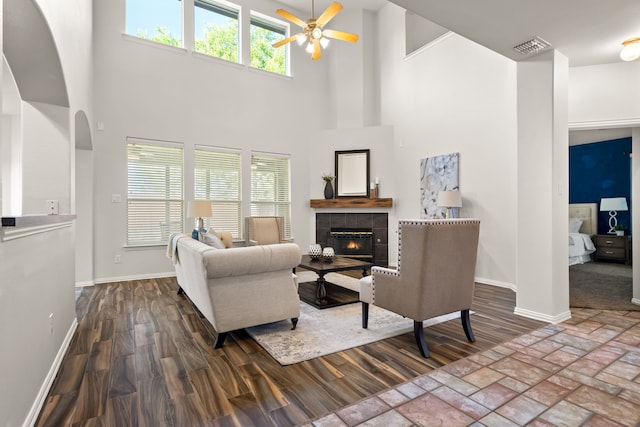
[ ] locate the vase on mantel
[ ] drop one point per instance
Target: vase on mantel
(328, 190)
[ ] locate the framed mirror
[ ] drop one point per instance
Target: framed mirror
(352, 173)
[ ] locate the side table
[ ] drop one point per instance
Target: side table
(613, 248)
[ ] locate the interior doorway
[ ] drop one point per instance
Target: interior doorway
(603, 157)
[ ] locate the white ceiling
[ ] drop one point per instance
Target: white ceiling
(588, 32)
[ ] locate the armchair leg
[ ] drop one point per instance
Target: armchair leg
(220, 340)
(466, 325)
(418, 333)
(294, 322)
(365, 315)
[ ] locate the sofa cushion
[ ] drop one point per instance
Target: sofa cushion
(211, 239)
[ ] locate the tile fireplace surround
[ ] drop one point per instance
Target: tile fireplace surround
(378, 222)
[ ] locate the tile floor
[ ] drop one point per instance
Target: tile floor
(582, 372)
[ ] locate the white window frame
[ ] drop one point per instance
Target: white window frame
(180, 34)
(206, 163)
(280, 187)
(146, 227)
(276, 24)
(224, 8)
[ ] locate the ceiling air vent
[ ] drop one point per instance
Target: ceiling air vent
(532, 46)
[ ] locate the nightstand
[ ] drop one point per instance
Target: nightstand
(613, 248)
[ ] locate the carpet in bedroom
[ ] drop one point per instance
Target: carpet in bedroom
(601, 286)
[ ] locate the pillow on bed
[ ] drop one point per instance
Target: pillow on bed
(574, 225)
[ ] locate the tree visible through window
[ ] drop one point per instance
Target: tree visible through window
(264, 33)
(216, 29)
(157, 20)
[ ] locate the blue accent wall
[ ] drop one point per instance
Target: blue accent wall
(601, 169)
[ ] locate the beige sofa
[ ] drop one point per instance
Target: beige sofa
(238, 287)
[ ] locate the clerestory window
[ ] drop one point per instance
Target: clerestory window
(264, 33)
(216, 29)
(157, 20)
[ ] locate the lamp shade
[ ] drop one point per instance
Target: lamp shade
(614, 204)
(199, 209)
(449, 199)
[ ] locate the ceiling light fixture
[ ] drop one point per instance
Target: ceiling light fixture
(630, 50)
(313, 30)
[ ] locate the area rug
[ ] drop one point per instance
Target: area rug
(601, 286)
(322, 332)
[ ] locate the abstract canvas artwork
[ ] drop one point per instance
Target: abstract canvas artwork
(438, 173)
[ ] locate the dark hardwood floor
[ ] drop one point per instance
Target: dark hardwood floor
(142, 356)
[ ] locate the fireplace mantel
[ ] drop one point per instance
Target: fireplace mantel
(351, 202)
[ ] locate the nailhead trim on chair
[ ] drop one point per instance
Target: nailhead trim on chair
(425, 222)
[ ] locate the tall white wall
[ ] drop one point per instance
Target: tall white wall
(37, 274)
(151, 91)
(454, 96)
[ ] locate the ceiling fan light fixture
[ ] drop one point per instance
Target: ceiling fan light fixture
(309, 47)
(630, 50)
(313, 30)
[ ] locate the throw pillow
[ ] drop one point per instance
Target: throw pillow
(212, 240)
(574, 225)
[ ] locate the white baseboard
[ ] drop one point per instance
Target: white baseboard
(635, 301)
(38, 404)
(85, 283)
(496, 283)
(541, 316)
(134, 277)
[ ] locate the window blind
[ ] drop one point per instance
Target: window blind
(154, 192)
(271, 187)
(218, 176)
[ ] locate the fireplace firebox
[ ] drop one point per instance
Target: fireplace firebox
(353, 243)
(374, 222)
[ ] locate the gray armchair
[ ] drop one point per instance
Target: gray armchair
(265, 230)
(435, 275)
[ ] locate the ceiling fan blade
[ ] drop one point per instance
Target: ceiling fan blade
(328, 14)
(285, 41)
(317, 52)
(340, 35)
(291, 17)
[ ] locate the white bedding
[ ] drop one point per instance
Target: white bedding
(580, 248)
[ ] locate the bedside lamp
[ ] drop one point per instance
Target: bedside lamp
(449, 199)
(198, 209)
(613, 205)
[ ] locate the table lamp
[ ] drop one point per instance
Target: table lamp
(613, 205)
(198, 209)
(449, 199)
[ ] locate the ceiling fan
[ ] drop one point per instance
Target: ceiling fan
(313, 30)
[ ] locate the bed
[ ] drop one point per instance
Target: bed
(583, 223)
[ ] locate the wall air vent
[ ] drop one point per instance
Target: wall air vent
(532, 46)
